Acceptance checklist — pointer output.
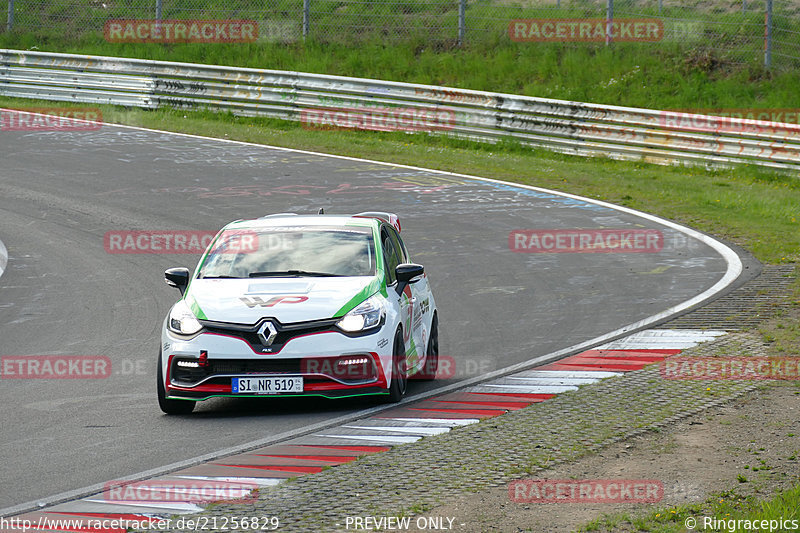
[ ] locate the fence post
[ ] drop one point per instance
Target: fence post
(609, 20)
(306, 10)
(660, 2)
(10, 21)
(462, 21)
(158, 10)
(744, 7)
(768, 35)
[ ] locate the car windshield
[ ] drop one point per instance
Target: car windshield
(291, 252)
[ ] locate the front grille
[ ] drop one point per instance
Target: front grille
(285, 333)
(249, 366)
(233, 366)
(220, 368)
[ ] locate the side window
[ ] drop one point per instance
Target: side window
(402, 254)
(390, 256)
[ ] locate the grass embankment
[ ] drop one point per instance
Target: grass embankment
(725, 512)
(668, 76)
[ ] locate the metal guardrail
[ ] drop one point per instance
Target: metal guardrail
(583, 129)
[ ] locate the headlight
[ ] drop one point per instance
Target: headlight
(367, 315)
(182, 320)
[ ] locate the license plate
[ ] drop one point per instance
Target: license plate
(266, 385)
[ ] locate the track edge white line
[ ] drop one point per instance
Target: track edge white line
(3, 258)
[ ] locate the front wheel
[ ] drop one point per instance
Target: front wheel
(399, 371)
(171, 407)
(428, 372)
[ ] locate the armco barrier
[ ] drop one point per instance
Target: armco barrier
(569, 127)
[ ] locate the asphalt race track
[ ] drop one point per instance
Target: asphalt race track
(62, 293)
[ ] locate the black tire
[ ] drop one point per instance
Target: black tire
(399, 371)
(171, 407)
(428, 372)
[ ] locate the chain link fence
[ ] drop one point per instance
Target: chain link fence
(759, 31)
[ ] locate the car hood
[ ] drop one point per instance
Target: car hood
(246, 301)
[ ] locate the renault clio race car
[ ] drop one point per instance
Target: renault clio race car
(291, 305)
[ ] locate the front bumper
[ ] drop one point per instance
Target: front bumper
(332, 364)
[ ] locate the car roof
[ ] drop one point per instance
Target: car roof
(291, 219)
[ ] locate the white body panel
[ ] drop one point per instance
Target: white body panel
(287, 302)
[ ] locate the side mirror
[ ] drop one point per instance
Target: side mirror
(177, 277)
(405, 274)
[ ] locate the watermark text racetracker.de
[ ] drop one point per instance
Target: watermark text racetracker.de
(586, 491)
(55, 366)
(783, 122)
(411, 119)
(461, 366)
(180, 490)
(585, 30)
(70, 367)
(179, 242)
(181, 31)
(586, 241)
(730, 368)
(51, 119)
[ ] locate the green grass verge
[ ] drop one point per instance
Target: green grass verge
(667, 76)
(756, 208)
(724, 512)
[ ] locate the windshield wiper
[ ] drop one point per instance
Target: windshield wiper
(293, 273)
(221, 276)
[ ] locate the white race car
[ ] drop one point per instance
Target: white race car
(319, 305)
